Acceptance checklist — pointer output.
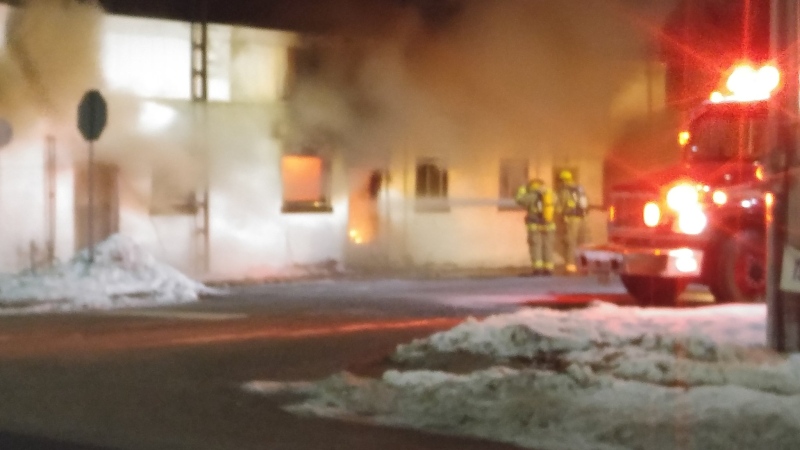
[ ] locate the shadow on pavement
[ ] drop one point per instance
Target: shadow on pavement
(13, 441)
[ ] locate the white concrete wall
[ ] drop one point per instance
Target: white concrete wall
(475, 232)
(23, 198)
(22, 204)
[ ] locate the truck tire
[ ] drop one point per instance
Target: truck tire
(740, 274)
(654, 291)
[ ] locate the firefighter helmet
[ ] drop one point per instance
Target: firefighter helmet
(565, 176)
(535, 183)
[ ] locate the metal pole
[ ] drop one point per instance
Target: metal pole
(52, 170)
(791, 300)
(783, 321)
(90, 218)
(775, 218)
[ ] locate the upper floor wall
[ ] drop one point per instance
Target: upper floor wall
(153, 59)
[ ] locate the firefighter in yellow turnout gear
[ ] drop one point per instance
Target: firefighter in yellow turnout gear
(572, 206)
(537, 200)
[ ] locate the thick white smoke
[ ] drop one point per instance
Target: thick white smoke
(50, 58)
(541, 76)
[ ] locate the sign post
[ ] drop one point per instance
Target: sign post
(92, 118)
(783, 287)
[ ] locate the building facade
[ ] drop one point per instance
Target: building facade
(195, 166)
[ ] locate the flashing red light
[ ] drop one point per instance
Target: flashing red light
(747, 83)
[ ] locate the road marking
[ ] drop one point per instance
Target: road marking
(179, 315)
(318, 331)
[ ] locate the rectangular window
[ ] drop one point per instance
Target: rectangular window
(306, 183)
(147, 57)
(513, 174)
(431, 185)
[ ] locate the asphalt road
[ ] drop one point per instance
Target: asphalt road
(170, 378)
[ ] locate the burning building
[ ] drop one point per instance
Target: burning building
(236, 152)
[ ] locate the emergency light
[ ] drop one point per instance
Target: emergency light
(683, 138)
(748, 84)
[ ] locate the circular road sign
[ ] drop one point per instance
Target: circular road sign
(92, 115)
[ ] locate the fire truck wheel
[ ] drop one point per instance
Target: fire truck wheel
(653, 291)
(741, 275)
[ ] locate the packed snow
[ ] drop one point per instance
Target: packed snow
(601, 378)
(121, 275)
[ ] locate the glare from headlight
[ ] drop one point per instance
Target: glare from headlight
(683, 196)
(652, 214)
(684, 260)
(719, 197)
(692, 221)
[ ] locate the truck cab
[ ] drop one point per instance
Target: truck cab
(701, 221)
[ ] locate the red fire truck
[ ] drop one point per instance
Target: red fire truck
(702, 221)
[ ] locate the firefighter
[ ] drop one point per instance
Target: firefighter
(572, 206)
(537, 200)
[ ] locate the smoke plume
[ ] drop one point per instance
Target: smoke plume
(536, 76)
(50, 59)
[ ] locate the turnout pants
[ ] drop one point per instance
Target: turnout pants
(540, 245)
(572, 236)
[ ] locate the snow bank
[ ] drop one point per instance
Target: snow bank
(122, 275)
(604, 378)
(713, 345)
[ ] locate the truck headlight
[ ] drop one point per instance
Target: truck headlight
(683, 196)
(652, 214)
(692, 221)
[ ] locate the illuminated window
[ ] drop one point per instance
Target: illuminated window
(150, 58)
(431, 185)
(259, 64)
(306, 183)
(219, 62)
(513, 174)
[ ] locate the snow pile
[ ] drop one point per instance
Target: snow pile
(604, 378)
(122, 275)
(664, 346)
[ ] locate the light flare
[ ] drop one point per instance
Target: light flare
(760, 173)
(652, 214)
(685, 261)
(769, 201)
(747, 83)
(692, 221)
(719, 198)
(683, 138)
(683, 196)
